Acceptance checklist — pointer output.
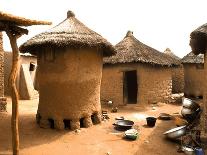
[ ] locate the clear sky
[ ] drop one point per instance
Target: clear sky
(157, 23)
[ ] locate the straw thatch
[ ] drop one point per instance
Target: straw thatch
(20, 21)
(191, 58)
(69, 33)
(132, 50)
(198, 40)
(170, 53)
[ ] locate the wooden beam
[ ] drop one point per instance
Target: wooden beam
(13, 29)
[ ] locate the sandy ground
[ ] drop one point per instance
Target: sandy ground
(97, 140)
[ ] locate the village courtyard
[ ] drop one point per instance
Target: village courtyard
(101, 139)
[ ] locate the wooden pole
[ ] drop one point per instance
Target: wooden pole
(14, 93)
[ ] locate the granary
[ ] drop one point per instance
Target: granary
(3, 102)
(198, 43)
(26, 78)
(193, 71)
(136, 74)
(70, 59)
(177, 73)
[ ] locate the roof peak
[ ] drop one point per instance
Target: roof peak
(70, 14)
(129, 33)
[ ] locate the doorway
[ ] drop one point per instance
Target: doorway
(130, 87)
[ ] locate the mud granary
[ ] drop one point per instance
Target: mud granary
(193, 71)
(136, 74)
(70, 59)
(177, 73)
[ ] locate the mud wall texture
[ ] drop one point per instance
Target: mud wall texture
(154, 83)
(31, 75)
(194, 82)
(1, 66)
(178, 79)
(69, 88)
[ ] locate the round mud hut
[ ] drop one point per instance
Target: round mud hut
(69, 59)
(193, 71)
(177, 73)
(136, 74)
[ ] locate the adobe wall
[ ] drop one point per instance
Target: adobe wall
(7, 69)
(178, 80)
(69, 88)
(154, 83)
(193, 80)
(2, 98)
(112, 84)
(1, 66)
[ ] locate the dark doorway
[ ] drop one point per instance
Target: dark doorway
(130, 87)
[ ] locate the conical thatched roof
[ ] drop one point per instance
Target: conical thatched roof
(170, 53)
(132, 50)
(192, 58)
(20, 21)
(198, 40)
(69, 33)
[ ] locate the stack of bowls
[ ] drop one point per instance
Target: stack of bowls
(190, 109)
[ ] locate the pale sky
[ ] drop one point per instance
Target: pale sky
(157, 23)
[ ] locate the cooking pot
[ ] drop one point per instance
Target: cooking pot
(124, 124)
(175, 132)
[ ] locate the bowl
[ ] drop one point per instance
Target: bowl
(188, 103)
(131, 134)
(175, 132)
(188, 150)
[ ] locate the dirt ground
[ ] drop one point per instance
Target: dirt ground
(97, 140)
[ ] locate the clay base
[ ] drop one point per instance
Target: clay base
(3, 104)
(71, 124)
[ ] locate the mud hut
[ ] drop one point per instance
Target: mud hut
(198, 43)
(177, 73)
(193, 71)
(136, 74)
(3, 102)
(26, 77)
(70, 59)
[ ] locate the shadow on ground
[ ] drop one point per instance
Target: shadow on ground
(30, 133)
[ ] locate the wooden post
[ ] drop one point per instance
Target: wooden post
(14, 93)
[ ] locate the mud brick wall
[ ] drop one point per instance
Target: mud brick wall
(26, 60)
(194, 82)
(154, 83)
(178, 80)
(1, 66)
(112, 84)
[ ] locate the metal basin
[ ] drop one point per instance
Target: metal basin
(186, 111)
(190, 104)
(124, 124)
(190, 115)
(175, 132)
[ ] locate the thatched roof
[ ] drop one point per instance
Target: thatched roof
(191, 58)
(20, 21)
(198, 40)
(69, 33)
(170, 53)
(132, 50)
